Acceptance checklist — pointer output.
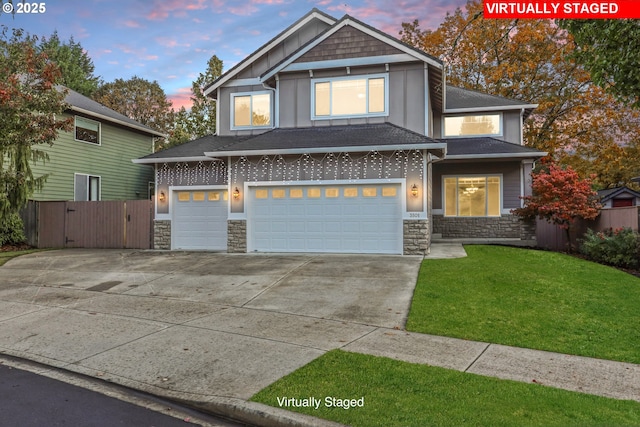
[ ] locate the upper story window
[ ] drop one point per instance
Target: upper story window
(349, 97)
(473, 125)
(87, 130)
(251, 110)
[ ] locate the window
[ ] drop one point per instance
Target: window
(251, 110)
(472, 196)
(489, 124)
(86, 188)
(87, 130)
(349, 97)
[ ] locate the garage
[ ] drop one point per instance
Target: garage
(199, 220)
(364, 218)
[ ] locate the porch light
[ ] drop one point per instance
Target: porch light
(162, 197)
(414, 190)
(236, 194)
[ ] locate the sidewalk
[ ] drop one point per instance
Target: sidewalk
(155, 326)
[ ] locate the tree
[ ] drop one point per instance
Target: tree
(608, 49)
(560, 196)
(200, 120)
(140, 100)
(75, 64)
(30, 103)
(531, 61)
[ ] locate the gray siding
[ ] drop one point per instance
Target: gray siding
(510, 172)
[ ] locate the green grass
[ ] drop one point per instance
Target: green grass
(405, 394)
(6, 256)
(533, 299)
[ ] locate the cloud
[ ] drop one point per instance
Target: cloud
(163, 9)
(132, 24)
(170, 42)
(181, 98)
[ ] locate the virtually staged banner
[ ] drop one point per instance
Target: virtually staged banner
(561, 9)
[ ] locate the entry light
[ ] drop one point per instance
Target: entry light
(162, 197)
(236, 194)
(414, 190)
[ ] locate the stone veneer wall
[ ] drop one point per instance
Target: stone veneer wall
(162, 234)
(237, 236)
(416, 237)
(506, 226)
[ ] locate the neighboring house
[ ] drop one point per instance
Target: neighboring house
(619, 197)
(93, 161)
(336, 137)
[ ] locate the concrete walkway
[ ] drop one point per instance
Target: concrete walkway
(213, 329)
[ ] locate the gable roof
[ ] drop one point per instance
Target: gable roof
(487, 148)
(610, 193)
(234, 71)
(361, 138)
(87, 106)
(460, 100)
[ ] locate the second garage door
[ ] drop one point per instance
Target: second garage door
(337, 218)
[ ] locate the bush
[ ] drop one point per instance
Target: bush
(12, 230)
(619, 247)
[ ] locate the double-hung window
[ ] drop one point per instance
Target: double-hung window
(87, 130)
(358, 96)
(472, 195)
(251, 110)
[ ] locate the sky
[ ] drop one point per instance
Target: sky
(170, 41)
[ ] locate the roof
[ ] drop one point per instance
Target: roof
(464, 100)
(487, 148)
(348, 138)
(610, 193)
(84, 105)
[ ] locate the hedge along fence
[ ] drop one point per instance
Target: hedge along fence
(552, 237)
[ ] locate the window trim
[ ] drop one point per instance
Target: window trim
(366, 77)
(88, 178)
(251, 94)
(493, 113)
(75, 130)
(486, 176)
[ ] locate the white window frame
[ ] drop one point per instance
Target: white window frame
(486, 209)
(75, 128)
(88, 178)
(500, 130)
(251, 94)
(366, 77)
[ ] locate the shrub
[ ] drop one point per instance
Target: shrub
(12, 230)
(619, 247)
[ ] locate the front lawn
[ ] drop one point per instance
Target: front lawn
(395, 393)
(533, 299)
(6, 256)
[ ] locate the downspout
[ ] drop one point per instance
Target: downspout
(521, 126)
(217, 99)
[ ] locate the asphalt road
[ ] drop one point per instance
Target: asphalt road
(31, 400)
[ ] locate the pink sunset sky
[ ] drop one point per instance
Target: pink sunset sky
(170, 41)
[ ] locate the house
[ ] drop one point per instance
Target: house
(93, 161)
(619, 197)
(337, 137)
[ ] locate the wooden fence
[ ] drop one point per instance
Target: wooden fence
(105, 224)
(552, 237)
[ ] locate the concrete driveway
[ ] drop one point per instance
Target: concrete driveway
(196, 326)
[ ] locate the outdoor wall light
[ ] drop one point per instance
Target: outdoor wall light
(162, 197)
(236, 194)
(414, 190)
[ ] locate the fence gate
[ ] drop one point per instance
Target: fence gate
(104, 224)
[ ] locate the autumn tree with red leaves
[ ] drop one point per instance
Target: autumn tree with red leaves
(560, 196)
(30, 109)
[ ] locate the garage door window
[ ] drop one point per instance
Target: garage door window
(279, 193)
(389, 192)
(331, 193)
(370, 192)
(313, 193)
(198, 196)
(351, 192)
(295, 193)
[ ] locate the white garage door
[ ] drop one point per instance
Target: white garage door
(337, 218)
(199, 220)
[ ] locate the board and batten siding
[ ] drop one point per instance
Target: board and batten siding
(510, 172)
(120, 179)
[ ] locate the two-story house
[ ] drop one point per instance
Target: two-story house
(93, 161)
(337, 137)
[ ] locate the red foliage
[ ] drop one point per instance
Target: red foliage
(560, 196)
